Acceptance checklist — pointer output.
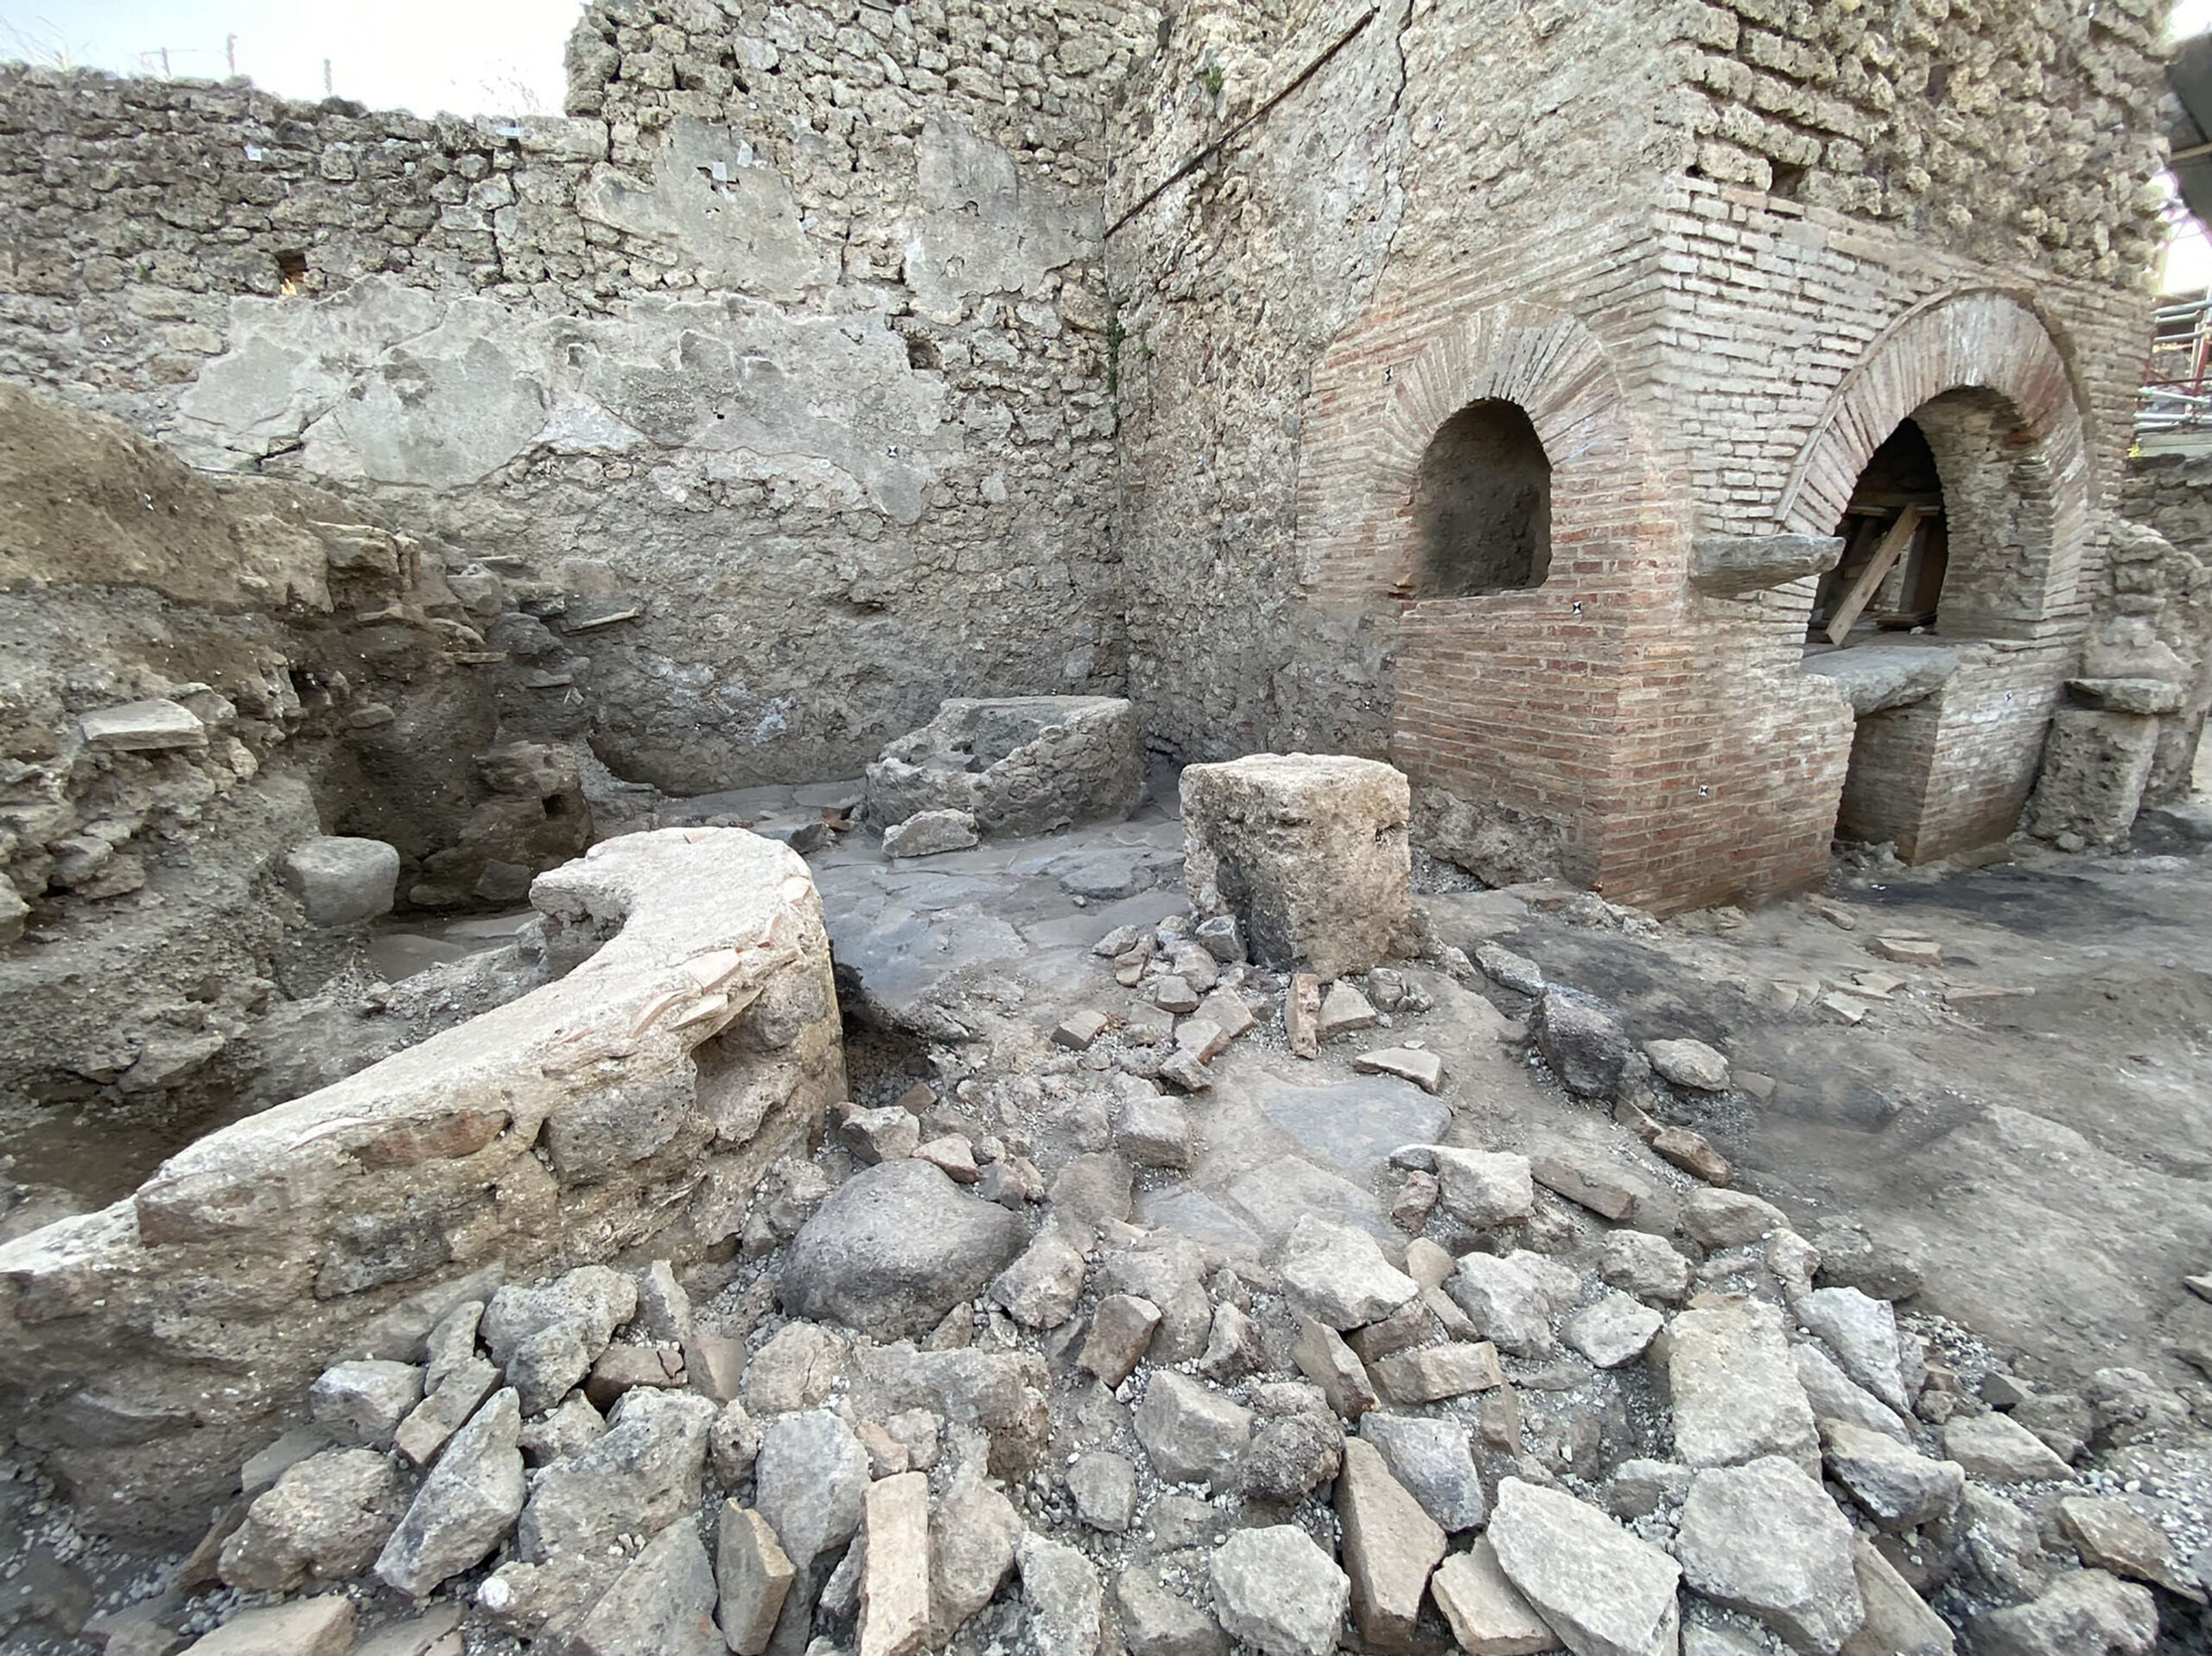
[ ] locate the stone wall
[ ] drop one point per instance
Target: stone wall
(833, 359)
(2155, 616)
(636, 1101)
(1232, 276)
(1991, 131)
(793, 341)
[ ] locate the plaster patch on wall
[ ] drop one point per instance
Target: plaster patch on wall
(982, 227)
(714, 200)
(288, 365)
(772, 391)
(384, 384)
(576, 425)
(449, 407)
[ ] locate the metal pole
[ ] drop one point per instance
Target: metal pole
(230, 51)
(325, 77)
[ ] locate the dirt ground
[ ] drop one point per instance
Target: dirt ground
(2043, 1156)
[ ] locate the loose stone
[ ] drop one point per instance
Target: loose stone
(465, 1507)
(752, 1575)
(1765, 1539)
(1604, 1592)
(1338, 1274)
(1192, 1434)
(1390, 1545)
(1121, 1330)
(1432, 1459)
(1278, 1592)
(1488, 1615)
(894, 1618)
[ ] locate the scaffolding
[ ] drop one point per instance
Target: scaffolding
(2175, 396)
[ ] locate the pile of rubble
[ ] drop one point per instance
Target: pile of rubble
(953, 1392)
(1006, 765)
(947, 1398)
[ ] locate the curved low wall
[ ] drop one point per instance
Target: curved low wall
(155, 1344)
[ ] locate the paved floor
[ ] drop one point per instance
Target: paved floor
(2045, 1156)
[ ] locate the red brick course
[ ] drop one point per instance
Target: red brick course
(1671, 738)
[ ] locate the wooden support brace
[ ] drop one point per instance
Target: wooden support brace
(1862, 591)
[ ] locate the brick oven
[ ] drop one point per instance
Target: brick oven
(1646, 291)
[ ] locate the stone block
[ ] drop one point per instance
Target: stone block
(1424, 1069)
(308, 1627)
(1018, 764)
(1734, 1388)
(2127, 695)
(1487, 1614)
(144, 727)
(930, 833)
(1390, 1546)
(1309, 853)
(340, 880)
(2095, 766)
(1278, 1592)
(1599, 1588)
(894, 1618)
(1729, 565)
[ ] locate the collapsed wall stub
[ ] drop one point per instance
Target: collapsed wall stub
(1017, 764)
(2157, 619)
(636, 1102)
(2127, 733)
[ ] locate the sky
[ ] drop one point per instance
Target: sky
(2187, 267)
(467, 57)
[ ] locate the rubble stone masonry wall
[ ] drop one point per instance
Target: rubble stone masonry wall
(2158, 599)
(834, 359)
(2011, 131)
(795, 336)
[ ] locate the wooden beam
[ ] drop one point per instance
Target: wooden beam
(1888, 501)
(1870, 579)
(1866, 532)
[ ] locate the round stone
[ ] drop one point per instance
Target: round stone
(893, 1249)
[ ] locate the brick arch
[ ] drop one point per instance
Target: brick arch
(1982, 340)
(1378, 404)
(1538, 724)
